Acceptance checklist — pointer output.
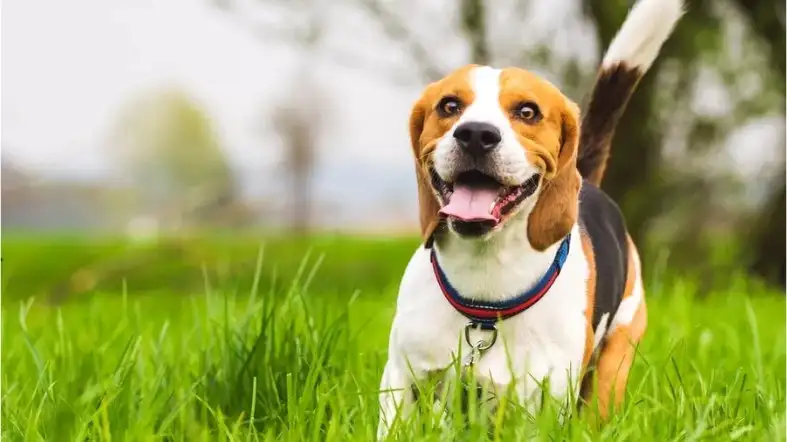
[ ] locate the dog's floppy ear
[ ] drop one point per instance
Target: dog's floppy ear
(556, 210)
(428, 206)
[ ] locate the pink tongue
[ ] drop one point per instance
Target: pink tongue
(471, 204)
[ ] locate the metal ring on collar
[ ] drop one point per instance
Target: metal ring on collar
(482, 344)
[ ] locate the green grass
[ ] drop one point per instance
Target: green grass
(281, 351)
(45, 267)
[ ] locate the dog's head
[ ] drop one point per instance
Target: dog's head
(491, 145)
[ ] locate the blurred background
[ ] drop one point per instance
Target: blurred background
(137, 132)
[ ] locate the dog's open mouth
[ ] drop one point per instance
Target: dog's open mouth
(478, 198)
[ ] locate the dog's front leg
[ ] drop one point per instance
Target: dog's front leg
(396, 396)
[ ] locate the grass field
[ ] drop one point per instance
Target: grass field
(213, 341)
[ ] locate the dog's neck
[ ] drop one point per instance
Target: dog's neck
(496, 268)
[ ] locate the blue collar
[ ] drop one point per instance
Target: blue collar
(486, 314)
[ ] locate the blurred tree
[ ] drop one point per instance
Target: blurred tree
(473, 14)
(298, 115)
(472, 24)
(297, 121)
(769, 239)
(767, 18)
(171, 155)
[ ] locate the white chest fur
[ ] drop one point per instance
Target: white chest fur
(545, 342)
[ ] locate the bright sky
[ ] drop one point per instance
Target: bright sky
(67, 71)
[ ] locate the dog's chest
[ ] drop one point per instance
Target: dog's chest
(546, 341)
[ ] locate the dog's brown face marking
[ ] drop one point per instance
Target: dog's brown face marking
(536, 126)
(539, 136)
(427, 123)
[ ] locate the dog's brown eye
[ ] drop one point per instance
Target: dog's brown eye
(449, 106)
(527, 112)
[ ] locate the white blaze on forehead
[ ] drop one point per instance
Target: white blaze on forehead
(485, 108)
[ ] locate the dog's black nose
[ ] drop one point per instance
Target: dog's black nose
(477, 139)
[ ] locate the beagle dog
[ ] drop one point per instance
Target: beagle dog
(527, 272)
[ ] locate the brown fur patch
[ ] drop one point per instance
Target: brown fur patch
(557, 207)
(587, 247)
(543, 140)
(615, 362)
(617, 355)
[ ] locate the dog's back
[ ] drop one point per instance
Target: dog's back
(605, 228)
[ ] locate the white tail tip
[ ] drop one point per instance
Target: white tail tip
(648, 25)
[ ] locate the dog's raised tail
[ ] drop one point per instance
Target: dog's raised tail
(632, 51)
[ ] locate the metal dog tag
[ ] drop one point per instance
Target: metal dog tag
(474, 355)
(479, 347)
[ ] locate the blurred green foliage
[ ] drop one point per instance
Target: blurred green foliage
(168, 149)
(57, 269)
(65, 267)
